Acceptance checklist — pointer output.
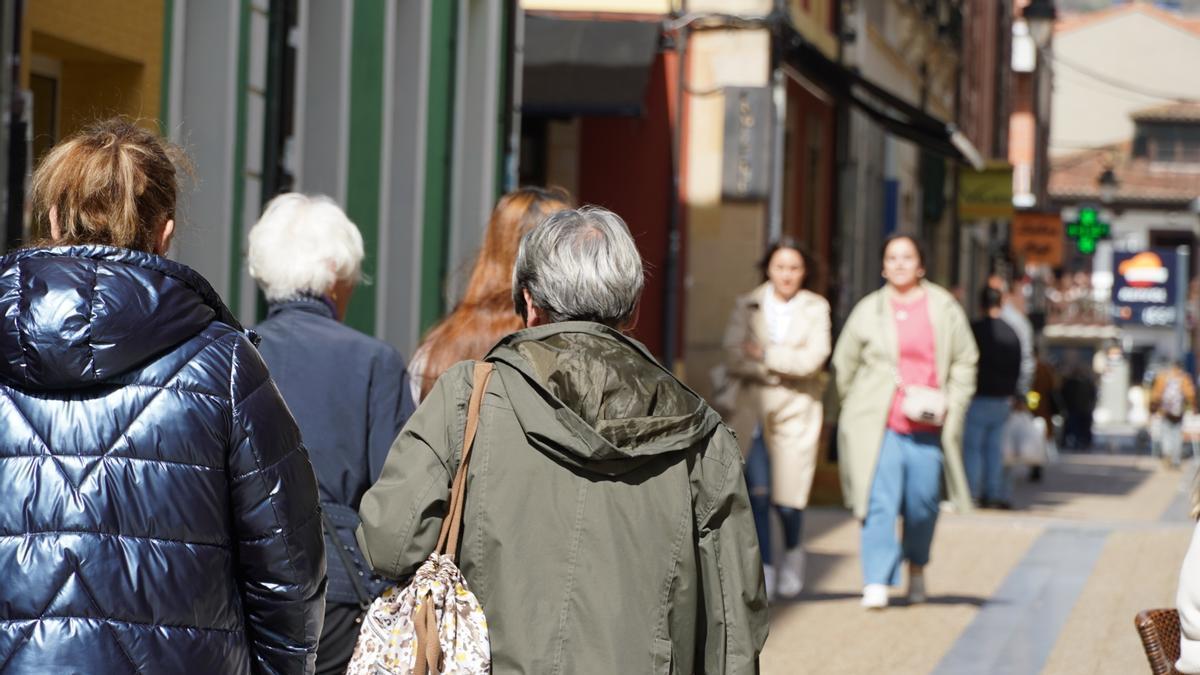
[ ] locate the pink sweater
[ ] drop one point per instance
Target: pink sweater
(918, 362)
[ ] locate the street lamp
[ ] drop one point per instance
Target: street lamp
(1040, 15)
(1108, 185)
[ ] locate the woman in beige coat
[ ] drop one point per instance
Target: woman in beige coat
(908, 335)
(777, 343)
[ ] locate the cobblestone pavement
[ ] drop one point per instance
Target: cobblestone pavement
(1051, 587)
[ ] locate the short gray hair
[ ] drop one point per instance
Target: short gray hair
(580, 265)
(303, 245)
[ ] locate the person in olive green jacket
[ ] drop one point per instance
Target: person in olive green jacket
(607, 527)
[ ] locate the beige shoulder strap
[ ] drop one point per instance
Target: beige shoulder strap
(452, 523)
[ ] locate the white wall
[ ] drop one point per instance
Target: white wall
(205, 123)
(1128, 47)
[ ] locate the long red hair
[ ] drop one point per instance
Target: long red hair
(486, 312)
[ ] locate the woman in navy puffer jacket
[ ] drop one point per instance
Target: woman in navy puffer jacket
(158, 511)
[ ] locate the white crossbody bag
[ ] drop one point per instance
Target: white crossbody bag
(924, 405)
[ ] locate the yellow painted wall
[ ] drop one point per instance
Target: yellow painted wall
(111, 53)
(813, 23)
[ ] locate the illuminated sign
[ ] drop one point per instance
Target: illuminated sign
(1087, 230)
(1144, 287)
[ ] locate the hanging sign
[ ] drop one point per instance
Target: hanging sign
(1037, 238)
(985, 194)
(746, 161)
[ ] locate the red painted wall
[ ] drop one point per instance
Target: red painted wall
(625, 166)
(819, 234)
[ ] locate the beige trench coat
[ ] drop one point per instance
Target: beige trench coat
(783, 391)
(864, 370)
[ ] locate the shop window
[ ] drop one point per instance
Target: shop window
(1168, 142)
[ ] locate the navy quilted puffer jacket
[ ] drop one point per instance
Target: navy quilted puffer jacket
(158, 513)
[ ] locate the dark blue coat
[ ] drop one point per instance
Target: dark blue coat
(350, 395)
(158, 512)
(348, 391)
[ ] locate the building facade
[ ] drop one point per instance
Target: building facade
(1124, 149)
(894, 180)
(1152, 204)
(397, 110)
(1111, 63)
(665, 157)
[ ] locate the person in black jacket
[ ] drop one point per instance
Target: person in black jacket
(159, 513)
(349, 392)
(995, 387)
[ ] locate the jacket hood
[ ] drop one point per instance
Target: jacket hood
(75, 316)
(595, 399)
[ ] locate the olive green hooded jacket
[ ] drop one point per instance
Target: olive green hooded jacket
(607, 528)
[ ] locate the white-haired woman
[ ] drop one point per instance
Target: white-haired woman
(347, 391)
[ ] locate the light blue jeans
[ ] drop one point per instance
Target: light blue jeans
(983, 448)
(908, 482)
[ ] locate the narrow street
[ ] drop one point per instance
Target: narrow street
(1051, 587)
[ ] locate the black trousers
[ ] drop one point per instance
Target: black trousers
(338, 637)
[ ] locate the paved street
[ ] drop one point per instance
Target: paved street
(1052, 587)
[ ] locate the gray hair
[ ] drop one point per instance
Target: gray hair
(580, 265)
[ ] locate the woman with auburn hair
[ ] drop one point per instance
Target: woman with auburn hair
(486, 312)
(159, 513)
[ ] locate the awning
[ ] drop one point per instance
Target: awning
(586, 67)
(890, 111)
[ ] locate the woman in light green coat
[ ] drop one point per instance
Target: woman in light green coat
(911, 333)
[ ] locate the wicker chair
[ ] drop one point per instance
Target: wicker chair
(1159, 630)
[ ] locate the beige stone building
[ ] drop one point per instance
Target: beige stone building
(1112, 63)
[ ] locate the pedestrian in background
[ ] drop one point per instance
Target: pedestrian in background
(1172, 396)
(776, 344)
(995, 391)
(348, 391)
(606, 526)
(159, 511)
(1012, 312)
(904, 366)
(485, 314)
(1043, 402)
(1079, 400)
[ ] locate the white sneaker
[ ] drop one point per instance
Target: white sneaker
(769, 579)
(916, 589)
(875, 596)
(791, 575)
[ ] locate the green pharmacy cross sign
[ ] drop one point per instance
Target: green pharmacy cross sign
(1087, 230)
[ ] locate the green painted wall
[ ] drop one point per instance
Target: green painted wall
(237, 227)
(365, 148)
(438, 134)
